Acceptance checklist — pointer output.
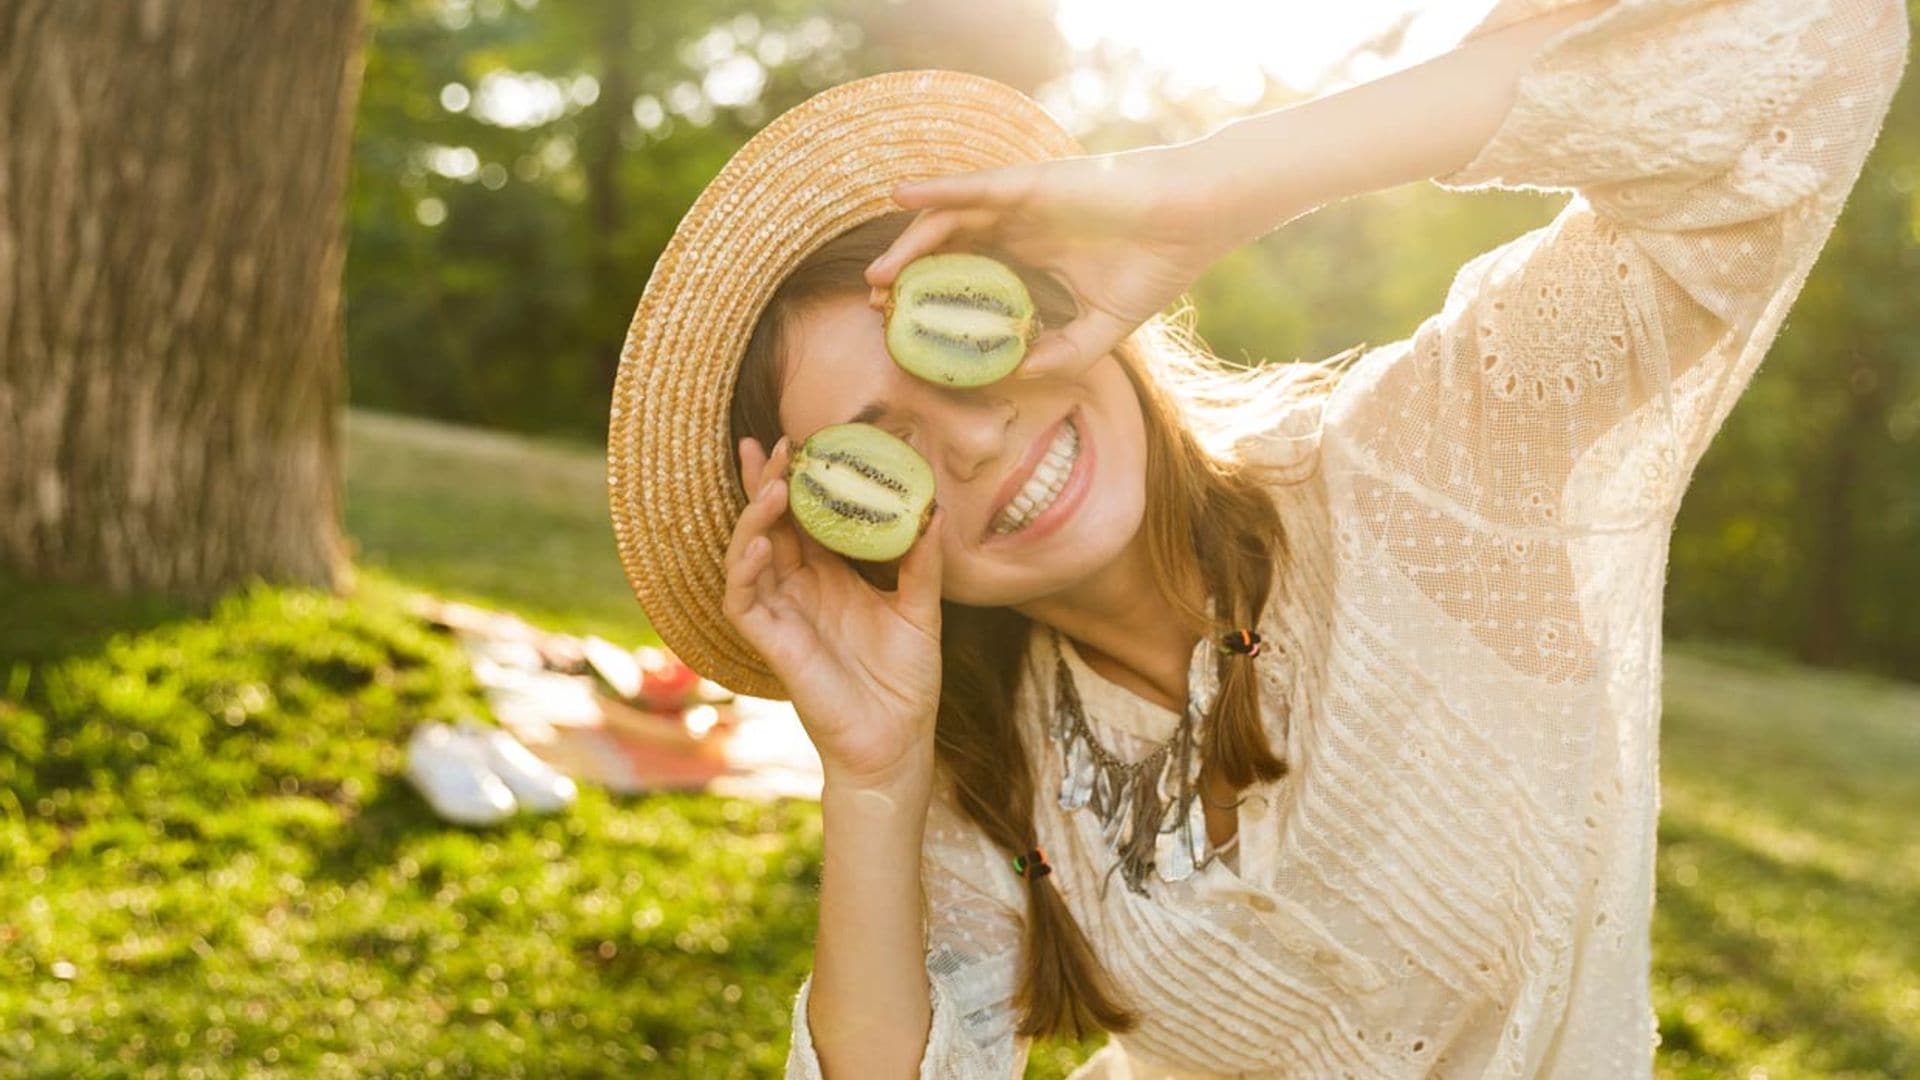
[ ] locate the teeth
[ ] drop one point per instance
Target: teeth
(1044, 485)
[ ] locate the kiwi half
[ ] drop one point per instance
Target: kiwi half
(860, 491)
(959, 319)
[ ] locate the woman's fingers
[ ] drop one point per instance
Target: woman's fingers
(927, 234)
(753, 460)
(918, 587)
(786, 545)
(757, 466)
(757, 609)
(1003, 187)
(749, 534)
(1070, 349)
(741, 600)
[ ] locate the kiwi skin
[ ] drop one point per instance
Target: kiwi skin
(987, 267)
(835, 533)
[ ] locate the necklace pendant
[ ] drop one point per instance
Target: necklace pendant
(1183, 847)
(1150, 812)
(1076, 786)
(1117, 817)
(1173, 854)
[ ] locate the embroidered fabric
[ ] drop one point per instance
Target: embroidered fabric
(1455, 879)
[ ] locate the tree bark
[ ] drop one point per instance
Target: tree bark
(606, 122)
(1828, 633)
(171, 243)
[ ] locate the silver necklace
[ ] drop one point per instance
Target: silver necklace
(1150, 813)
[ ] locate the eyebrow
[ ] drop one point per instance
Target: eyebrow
(873, 410)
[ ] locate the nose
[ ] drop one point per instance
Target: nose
(973, 426)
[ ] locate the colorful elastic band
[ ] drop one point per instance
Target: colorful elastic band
(1032, 866)
(1244, 642)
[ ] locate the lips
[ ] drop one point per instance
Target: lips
(1021, 474)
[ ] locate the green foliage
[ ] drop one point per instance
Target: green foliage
(518, 166)
(1802, 524)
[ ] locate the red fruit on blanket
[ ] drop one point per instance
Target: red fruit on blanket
(666, 684)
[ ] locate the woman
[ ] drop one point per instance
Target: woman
(1277, 724)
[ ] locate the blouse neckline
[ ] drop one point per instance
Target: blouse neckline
(1115, 707)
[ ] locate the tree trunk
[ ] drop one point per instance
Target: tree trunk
(171, 183)
(1827, 637)
(606, 122)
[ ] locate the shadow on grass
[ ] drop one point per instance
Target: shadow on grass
(1734, 937)
(43, 623)
(372, 838)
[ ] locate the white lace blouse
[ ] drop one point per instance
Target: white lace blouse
(1456, 878)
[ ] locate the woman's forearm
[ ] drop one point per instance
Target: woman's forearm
(868, 1011)
(1415, 124)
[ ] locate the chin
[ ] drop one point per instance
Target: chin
(1102, 525)
(1097, 535)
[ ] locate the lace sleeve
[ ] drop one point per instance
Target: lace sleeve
(975, 919)
(1575, 374)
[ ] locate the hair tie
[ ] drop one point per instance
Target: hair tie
(1032, 866)
(1244, 642)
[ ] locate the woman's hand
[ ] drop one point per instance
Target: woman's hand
(862, 665)
(1127, 233)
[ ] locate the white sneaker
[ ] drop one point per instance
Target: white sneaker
(536, 785)
(455, 778)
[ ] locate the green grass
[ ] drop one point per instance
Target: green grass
(208, 856)
(210, 863)
(1787, 919)
(493, 518)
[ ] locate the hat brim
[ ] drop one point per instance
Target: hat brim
(817, 170)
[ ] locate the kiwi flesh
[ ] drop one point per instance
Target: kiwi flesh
(860, 491)
(959, 319)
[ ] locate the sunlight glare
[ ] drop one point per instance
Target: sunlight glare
(1224, 45)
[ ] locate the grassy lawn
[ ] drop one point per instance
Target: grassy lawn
(493, 518)
(210, 864)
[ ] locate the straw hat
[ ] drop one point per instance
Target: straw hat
(819, 169)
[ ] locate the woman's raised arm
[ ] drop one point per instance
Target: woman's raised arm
(1129, 232)
(1574, 376)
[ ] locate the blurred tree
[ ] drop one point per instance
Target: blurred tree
(1802, 526)
(170, 258)
(519, 165)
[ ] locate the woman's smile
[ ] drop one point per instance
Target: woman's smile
(1046, 488)
(1043, 478)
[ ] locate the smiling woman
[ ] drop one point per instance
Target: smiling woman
(1323, 745)
(818, 337)
(1046, 479)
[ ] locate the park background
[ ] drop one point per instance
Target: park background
(309, 307)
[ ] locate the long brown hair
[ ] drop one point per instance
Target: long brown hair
(1209, 522)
